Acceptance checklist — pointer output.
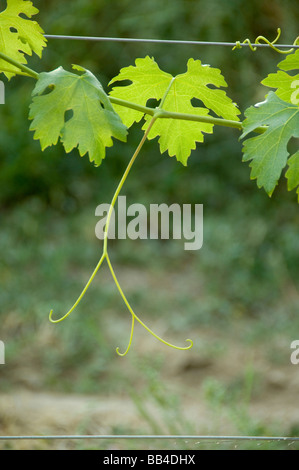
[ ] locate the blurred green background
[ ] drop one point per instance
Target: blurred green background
(248, 267)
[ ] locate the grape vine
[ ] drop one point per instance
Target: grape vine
(99, 117)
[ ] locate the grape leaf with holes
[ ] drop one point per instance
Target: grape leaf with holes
(287, 85)
(93, 122)
(18, 35)
(178, 137)
(268, 152)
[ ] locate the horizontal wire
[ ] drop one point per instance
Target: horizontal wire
(164, 41)
(186, 437)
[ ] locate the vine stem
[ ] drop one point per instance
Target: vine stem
(26, 70)
(183, 116)
(123, 179)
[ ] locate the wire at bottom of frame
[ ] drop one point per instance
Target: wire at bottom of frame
(146, 436)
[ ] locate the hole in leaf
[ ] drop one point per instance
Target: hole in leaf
(47, 90)
(197, 103)
(13, 30)
(68, 115)
(152, 103)
(79, 72)
(121, 83)
(23, 16)
(293, 145)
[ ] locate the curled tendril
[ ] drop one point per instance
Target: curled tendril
(271, 44)
(133, 314)
(80, 296)
(130, 340)
(182, 348)
(135, 317)
(106, 256)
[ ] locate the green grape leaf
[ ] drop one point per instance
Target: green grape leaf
(93, 122)
(268, 151)
(291, 62)
(292, 174)
(177, 136)
(287, 85)
(148, 81)
(18, 35)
